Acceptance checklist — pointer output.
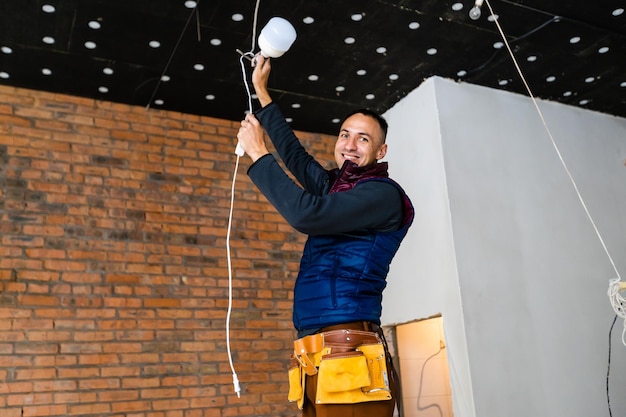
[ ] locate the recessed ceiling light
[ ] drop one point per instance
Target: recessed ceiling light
(159, 102)
(393, 77)
(618, 12)
(165, 78)
(551, 79)
(335, 120)
(314, 77)
(198, 67)
(531, 58)
(46, 71)
(108, 71)
(48, 40)
(357, 17)
(103, 90)
(154, 44)
(461, 73)
(94, 24)
(457, 6)
(583, 102)
(498, 45)
(574, 39)
(90, 45)
(492, 18)
(288, 119)
(503, 82)
(190, 4)
(361, 72)
(370, 96)
(48, 8)
(295, 106)
(414, 25)
(623, 84)
(237, 17)
(215, 42)
(308, 20)
(432, 51)
(6, 50)
(340, 88)
(4, 75)
(567, 94)
(349, 40)
(590, 79)
(603, 50)
(209, 97)
(381, 49)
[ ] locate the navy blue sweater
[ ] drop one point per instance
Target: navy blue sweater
(373, 205)
(355, 218)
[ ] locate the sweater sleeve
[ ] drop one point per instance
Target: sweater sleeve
(309, 173)
(371, 205)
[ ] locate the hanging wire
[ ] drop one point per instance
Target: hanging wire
(230, 283)
(171, 57)
(608, 370)
(520, 38)
(249, 56)
(615, 286)
(243, 56)
(618, 302)
(556, 148)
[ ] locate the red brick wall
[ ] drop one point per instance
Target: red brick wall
(113, 269)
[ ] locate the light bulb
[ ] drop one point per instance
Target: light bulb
(474, 12)
(276, 37)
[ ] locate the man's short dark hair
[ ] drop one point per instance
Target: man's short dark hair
(367, 112)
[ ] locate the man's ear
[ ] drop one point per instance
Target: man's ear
(381, 152)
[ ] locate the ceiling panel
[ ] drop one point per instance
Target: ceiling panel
(181, 55)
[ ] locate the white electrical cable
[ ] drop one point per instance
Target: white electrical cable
(230, 283)
(230, 214)
(617, 301)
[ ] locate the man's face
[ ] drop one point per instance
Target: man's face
(360, 140)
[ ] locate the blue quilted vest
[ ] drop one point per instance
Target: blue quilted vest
(342, 277)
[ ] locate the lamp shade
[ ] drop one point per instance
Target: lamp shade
(276, 37)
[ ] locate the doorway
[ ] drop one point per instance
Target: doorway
(422, 362)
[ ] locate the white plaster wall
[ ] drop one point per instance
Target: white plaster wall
(502, 246)
(423, 280)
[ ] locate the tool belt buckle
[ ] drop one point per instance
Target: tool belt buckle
(304, 348)
(306, 363)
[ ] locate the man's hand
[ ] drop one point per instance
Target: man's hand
(251, 137)
(260, 76)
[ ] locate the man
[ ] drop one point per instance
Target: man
(355, 218)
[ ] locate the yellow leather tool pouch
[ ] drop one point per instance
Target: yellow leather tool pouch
(297, 377)
(353, 377)
(377, 365)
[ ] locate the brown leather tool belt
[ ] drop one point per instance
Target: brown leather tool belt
(309, 349)
(350, 364)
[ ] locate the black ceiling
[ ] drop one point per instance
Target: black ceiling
(348, 54)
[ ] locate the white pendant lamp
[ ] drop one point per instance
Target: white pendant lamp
(276, 37)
